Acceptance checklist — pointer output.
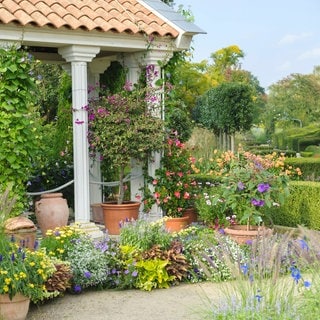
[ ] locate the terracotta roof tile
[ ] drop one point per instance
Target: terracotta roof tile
(103, 15)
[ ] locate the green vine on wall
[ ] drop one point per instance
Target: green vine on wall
(18, 129)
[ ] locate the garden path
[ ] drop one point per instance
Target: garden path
(182, 302)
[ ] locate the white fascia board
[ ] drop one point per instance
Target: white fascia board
(48, 37)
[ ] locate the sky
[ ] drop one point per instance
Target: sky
(278, 37)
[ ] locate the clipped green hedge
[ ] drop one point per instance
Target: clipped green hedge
(301, 208)
(310, 167)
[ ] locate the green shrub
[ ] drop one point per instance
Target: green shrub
(306, 154)
(310, 167)
(313, 149)
(143, 234)
(301, 207)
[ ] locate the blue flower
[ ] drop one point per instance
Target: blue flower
(295, 273)
(244, 268)
(87, 274)
(258, 296)
(303, 244)
(307, 284)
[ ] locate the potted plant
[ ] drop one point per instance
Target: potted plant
(123, 126)
(23, 272)
(173, 187)
(249, 185)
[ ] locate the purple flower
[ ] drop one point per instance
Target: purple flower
(257, 202)
(1, 257)
(263, 187)
(36, 244)
(241, 186)
(126, 271)
(77, 288)
(87, 274)
(134, 273)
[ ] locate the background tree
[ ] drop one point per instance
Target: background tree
(226, 109)
(294, 100)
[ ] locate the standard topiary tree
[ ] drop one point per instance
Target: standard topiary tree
(226, 109)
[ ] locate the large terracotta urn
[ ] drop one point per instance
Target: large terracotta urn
(51, 211)
(114, 215)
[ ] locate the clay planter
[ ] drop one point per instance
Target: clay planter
(192, 215)
(115, 214)
(97, 213)
(241, 234)
(51, 212)
(23, 230)
(176, 224)
(15, 309)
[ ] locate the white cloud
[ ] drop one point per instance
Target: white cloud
(314, 53)
(292, 38)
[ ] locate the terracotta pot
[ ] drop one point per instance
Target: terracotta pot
(23, 230)
(192, 215)
(115, 214)
(173, 224)
(51, 212)
(97, 213)
(242, 235)
(15, 309)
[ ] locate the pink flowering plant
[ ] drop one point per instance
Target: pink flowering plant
(173, 187)
(250, 184)
(125, 125)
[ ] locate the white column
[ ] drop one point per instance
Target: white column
(96, 67)
(131, 62)
(153, 58)
(79, 56)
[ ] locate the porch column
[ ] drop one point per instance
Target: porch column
(79, 56)
(153, 58)
(96, 67)
(131, 62)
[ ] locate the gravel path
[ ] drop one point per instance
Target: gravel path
(183, 302)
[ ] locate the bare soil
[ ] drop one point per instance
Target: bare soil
(183, 302)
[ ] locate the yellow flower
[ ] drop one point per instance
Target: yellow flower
(5, 288)
(7, 280)
(31, 285)
(22, 275)
(32, 264)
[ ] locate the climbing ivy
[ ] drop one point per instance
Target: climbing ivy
(19, 134)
